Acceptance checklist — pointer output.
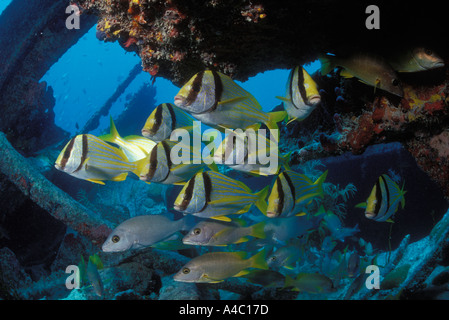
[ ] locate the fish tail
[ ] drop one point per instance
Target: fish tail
(259, 260)
(274, 118)
(327, 64)
(258, 230)
(403, 192)
(319, 183)
(261, 204)
(285, 160)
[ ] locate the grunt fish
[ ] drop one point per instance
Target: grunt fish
(214, 195)
(302, 96)
(89, 158)
(416, 59)
(310, 282)
(216, 100)
(371, 70)
(215, 267)
(220, 233)
(291, 189)
(164, 119)
(383, 200)
(144, 231)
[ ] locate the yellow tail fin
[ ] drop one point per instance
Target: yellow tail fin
(259, 260)
(274, 118)
(261, 203)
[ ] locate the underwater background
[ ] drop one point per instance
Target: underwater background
(368, 219)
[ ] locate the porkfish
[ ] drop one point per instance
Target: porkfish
(89, 158)
(134, 147)
(290, 190)
(251, 152)
(216, 100)
(164, 119)
(369, 69)
(383, 200)
(160, 167)
(214, 267)
(213, 195)
(301, 96)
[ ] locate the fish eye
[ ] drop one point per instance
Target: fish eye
(395, 82)
(428, 52)
(115, 239)
(197, 231)
(186, 270)
(273, 258)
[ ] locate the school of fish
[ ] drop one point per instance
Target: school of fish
(262, 233)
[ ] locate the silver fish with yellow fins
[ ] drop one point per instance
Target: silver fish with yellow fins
(291, 189)
(221, 233)
(216, 100)
(416, 59)
(213, 195)
(89, 158)
(134, 147)
(369, 69)
(383, 200)
(159, 166)
(164, 119)
(247, 152)
(302, 95)
(214, 267)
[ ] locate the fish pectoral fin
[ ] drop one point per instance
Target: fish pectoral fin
(361, 205)
(222, 218)
(211, 280)
(233, 100)
(284, 99)
(241, 273)
(300, 214)
(95, 181)
(241, 240)
(291, 120)
(289, 267)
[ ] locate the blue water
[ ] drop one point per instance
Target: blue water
(90, 71)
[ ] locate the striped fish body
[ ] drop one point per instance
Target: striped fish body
(214, 195)
(216, 100)
(159, 167)
(134, 147)
(384, 199)
(243, 151)
(290, 191)
(302, 96)
(164, 119)
(89, 158)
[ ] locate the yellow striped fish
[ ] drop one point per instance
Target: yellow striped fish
(383, 200)
(216, 100)
(250, 152)
(89, 158)
(159, 166)
(213, 195)
(302, 96)
(134, 147)
(164, 119)
(290, 190)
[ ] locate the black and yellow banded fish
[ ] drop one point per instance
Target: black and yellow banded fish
(134, 147)
(159, 166)
(164, 119)
(301, 96)
(383, 200)
(89, 158)
(247, 152)
(290, 190)
(216, 100)
(213, 195)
